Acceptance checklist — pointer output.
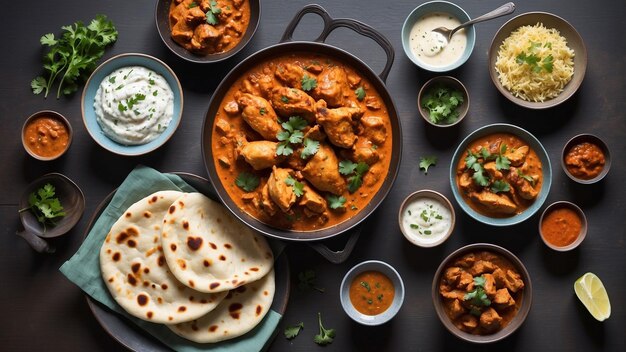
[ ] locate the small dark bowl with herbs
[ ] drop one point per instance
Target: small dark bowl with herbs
(443, 101)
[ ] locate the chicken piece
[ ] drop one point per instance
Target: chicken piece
(372, 175)
(267, 204)
(493, 172)
(337, 124)
(292, 101)
(332, 85)
(261, 154)
(374, 129)
(513, 281)
(322, 171)
(523, 187)
(194, 16)
(490, 285)
(494, 202)
(205, 36)
(362, 150)
(490, 320)
(312, 201)
(372, 103)
(315, 133)
(494, 147)
(465, 280)
(466, 183)
(231, 108)
(222, 126)
(466, 261)
(452, 275)
(503, 298)
(481, 267)
(353, 80)
(235, 28)
(453, 294)
(266, 83)
(258, 113)
(467, 323)
(281, 193)
(238, 3)
(517, 156)
(181, 32)
(454, 308)
(500, 277)
(291, 74)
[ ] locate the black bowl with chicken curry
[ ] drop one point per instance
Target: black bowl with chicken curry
(303, 142)
(482, 293)
(500, 174)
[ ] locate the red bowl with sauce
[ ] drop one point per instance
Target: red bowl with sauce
(46, 135)
(586, 159)
(563, 226)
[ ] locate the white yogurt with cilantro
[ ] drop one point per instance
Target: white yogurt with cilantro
(134, 105)
(432, 48)
(426, 221)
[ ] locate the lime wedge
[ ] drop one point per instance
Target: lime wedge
(591, 292)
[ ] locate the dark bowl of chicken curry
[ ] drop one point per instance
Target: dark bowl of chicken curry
(500, 175)
(482, 293)
(302, 140)
(206, 31)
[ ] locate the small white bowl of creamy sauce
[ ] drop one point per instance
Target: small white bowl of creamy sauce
(431, 50)
(426, 218)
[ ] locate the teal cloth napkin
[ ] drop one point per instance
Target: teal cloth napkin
(83, 269)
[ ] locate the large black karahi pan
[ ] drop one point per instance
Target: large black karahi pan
(287, 46)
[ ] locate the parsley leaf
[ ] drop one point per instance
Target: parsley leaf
(502, 162)
(335, 202)
(293, 331)
(310, 148)
(360, 93)
(441, 103)
(346, 167)
(355, 173)
(426, 162)
(308, 83)
(500, 186)
(479, 175)
(45, 206)
(307, 281)
(325, 336)
(291, 134)
(298, 187)
(247, 181)
(72, 56)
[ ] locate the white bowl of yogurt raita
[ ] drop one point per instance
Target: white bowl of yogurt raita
(426, 218)
(430, 50)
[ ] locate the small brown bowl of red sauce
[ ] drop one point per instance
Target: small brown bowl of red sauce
(563, 226)
(586, 159)
(46, 135)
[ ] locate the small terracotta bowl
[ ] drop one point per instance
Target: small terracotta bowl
(590, 138)
(583, 220)
(54, 115)
(449, 82)
(424, 241)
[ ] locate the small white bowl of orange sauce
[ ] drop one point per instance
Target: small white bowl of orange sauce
(372, 292)
(563, 226)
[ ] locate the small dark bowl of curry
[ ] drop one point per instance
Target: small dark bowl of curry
(46, 135)
(586, 159)
(482, 293)
(563, 226)
(207, 31)
(372, 293)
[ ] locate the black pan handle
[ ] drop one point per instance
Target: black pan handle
(337, 257)
(331, 24)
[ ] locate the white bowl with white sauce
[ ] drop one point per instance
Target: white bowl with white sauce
(426, 218)
(132, 104)
(430, 50)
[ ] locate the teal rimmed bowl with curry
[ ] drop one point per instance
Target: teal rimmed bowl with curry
(500, 175)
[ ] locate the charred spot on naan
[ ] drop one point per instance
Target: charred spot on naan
(147, 214)
(234, 309)
(135, 267)
(214, 285)
(191, 284)
(194, 243)
(259, 309)
(207, 263)
(182, 309)
(186, 225)
(173, 247)
(142, 299)
(182, 264)
(117, 256)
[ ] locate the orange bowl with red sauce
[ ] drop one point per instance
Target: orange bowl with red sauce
(586, 159)
(46, 135)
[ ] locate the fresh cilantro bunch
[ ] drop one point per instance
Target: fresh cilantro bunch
(73, 56)
(441, 103)
(45, 206)
(355, 171)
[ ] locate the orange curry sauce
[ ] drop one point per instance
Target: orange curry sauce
(561, 227)
(585, 161)
(371, 292)
(46, 136)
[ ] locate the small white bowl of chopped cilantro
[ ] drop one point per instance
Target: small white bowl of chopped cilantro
(443, 101)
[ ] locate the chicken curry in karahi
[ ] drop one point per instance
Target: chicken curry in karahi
(481, 292)
(302, 142)
(499, 175)
(209, 26)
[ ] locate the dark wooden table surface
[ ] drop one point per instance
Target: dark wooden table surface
(41, 310)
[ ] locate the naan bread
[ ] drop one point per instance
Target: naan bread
(136, 273)
(208, 249)
(241, 310)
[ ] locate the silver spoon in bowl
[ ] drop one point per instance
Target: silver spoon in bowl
(500, 11)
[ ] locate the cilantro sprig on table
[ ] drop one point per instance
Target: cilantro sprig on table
(73, 55)
(427, 161)
(307, 280)
(45, 206)
(293, 331)
(355, 172)
(325, 336)
(441, 103)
